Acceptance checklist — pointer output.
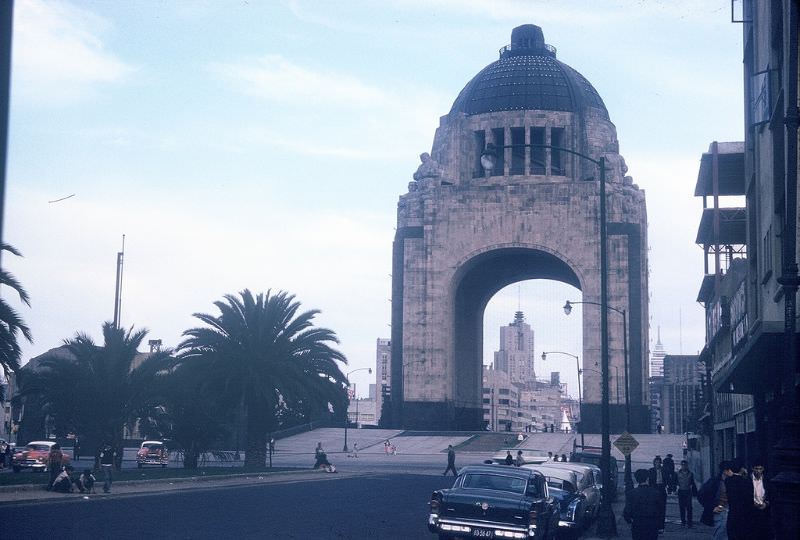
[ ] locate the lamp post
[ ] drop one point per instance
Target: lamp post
(606, 523)
(580, 399)
(567, 310)
(346, 413)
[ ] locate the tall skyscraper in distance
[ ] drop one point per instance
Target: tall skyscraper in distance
(515, 356)
(657, 357)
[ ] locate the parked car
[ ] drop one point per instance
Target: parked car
(495, 501)
(529, 455)
(578, 479)
(592, 456)
(34, 456)
(152, 453)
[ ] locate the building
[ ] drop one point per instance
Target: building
(501, 410)
(750, 292)
(383, 375)
(362, 412)
(656, 384)
(680, 392)
(515, 356)
(510, 191)
(657, 357)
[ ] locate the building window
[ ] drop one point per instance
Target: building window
(480, 145)
(538, 163)
(499, 138)
(517, 151)
(504, 391)
(760, 97)
(556, 157)
(766, 251)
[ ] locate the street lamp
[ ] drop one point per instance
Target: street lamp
(567, 310)
(580, 399)
(606, 523)
(346, 413)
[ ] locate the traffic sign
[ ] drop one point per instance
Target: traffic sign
(626, 443)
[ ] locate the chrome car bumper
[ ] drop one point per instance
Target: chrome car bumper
(462, 527)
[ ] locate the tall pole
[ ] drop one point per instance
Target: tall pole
(606, 523)
(580, 402)
(628, 479)
(118, 292)
(6, 26)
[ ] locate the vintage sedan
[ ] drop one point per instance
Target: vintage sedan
(152, 453)
(587, 477)
(529, 455)
(494, 501)
(578, 498)
(34, 456)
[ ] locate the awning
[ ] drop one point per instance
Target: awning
(732, 227)
(730, 161)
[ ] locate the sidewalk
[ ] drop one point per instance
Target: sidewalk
(38, 493)
(673, 530)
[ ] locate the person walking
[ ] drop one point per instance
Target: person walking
(658, 480)
(669, 471)
(108, 457)
(642, 508)
(739, 490)
(687, 489)
(451, 461)
(761, 526)
(55, 461)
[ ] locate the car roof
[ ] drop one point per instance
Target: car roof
(152, 442)
(572, 465)
(555, 472)
(504, 470)
(48, 443)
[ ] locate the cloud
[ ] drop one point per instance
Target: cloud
(59, 55)
(275, 78)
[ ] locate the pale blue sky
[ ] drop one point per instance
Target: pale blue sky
(264, 144)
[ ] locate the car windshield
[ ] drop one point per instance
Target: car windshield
(560, 484)
(495, 482)
(38, 447)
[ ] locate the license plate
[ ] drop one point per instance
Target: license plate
(482, 533)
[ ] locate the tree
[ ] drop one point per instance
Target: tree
(187, 417)
(96, 390)
(11, 324)
(261, 354)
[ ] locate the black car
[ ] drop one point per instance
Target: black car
(593, 456)
(495, 501)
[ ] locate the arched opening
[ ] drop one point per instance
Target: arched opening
(476, 282)
(521, 391)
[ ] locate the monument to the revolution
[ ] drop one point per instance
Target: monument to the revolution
(496, 202)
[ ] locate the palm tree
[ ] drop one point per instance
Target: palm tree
(96, 390)
(261, 354)
(11, 324)
(185, 415)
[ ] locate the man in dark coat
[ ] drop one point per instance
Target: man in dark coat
(657, 479)
(669, 472)
(451, 461)
(739, 489)
(642, 508)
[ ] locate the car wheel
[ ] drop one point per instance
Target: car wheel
(163, 465)
(16, 469)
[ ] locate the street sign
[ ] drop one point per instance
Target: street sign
(626, 443)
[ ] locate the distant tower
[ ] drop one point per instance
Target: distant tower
(515, 356)
(657, 358)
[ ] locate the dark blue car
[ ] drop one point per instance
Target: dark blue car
(495, 501)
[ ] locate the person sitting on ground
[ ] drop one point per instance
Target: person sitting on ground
(86, 482)
(63, 482)
(321, 459)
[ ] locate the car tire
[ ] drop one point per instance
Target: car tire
(16, 469)
(163, 465)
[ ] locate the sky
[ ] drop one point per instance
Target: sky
(264, 145)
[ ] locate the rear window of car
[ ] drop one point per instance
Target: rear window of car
(38, 447)
(153, 446)
(496, 482)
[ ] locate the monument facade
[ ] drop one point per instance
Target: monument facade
(501, 198)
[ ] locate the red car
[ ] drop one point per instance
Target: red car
(152, 453)
(34, 456)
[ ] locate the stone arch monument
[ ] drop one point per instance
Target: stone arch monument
(496, 202)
